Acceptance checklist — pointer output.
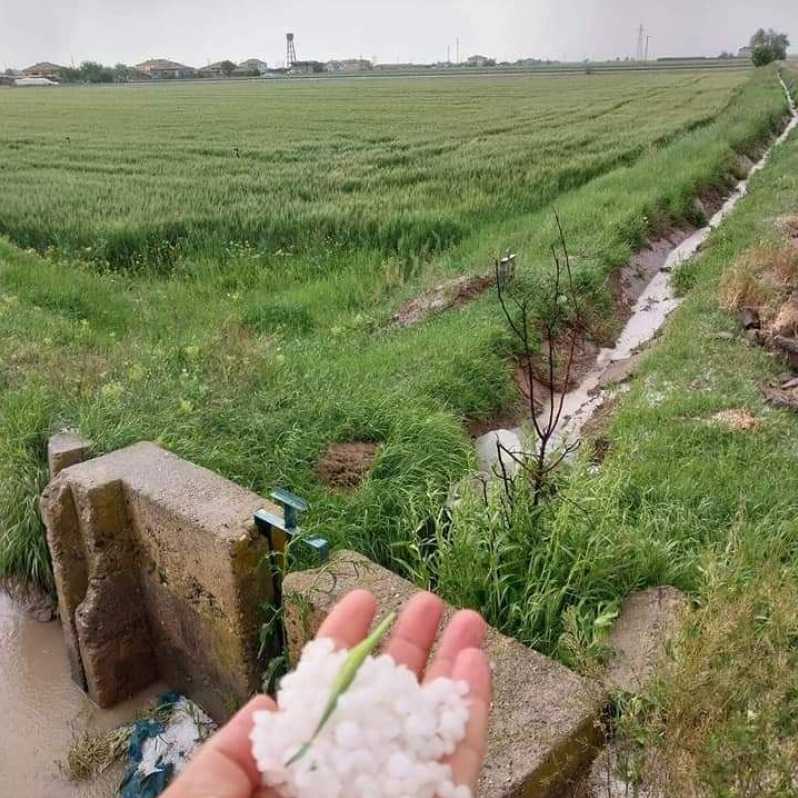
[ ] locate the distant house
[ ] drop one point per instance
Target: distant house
(745, 52)
(480, 61)
(163, 69)
(212, 70)
(252, 66)
(305, 68)
(44, 69)
(349, 65)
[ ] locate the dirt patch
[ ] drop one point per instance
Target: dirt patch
(743, 166)
(595, 432)
(784, 396)
(712, 199)
(584, 356)
(786, 321)
(620, 371)
(762, 286)
(760, 279)
(346, 465)
(736, 420)
(451, 294)
(509, 418)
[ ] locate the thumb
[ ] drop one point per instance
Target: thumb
(224, 767)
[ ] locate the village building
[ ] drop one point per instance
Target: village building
(44, 69)
(480, 61)
(252, 66)
(163, 69)
(214, 70)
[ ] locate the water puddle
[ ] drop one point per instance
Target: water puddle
(651, 310)
(42, 710)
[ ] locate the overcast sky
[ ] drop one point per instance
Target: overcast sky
(199, 31)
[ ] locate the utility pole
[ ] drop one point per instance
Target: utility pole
(648, 39)
(458, 51)
(448, 53)
(640, 34)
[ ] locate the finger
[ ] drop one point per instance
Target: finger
(224, 767)
(472, 666)
(415, 632)
(349, 620)
(465, 630)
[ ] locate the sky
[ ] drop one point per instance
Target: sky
(197, 32)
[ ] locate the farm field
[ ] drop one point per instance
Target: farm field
(237, 308)
(141, 174)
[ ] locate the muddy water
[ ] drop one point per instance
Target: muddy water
(41, 709)
(649, 314)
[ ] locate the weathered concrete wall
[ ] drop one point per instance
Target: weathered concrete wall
(160, 573)
(544, 717)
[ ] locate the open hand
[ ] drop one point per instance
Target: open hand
(224, 768)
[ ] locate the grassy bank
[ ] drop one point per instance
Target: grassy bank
(253, 364)
(697, 489)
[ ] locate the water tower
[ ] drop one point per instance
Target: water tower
(290, 56)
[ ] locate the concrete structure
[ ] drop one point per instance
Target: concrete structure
(43, 69)
(251, 66)
(544, 717)
(648, 620)
(160, 574)
(349, 65)
(163, 69)
(66, 449)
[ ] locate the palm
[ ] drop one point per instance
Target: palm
(224, 767)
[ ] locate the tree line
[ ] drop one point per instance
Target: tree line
(768, 46)
(94, 72)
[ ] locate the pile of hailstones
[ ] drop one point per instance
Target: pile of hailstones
(385, 739)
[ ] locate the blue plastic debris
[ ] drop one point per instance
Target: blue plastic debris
(159, 748)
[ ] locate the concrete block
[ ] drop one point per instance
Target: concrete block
(161, 574)
(648, 620)
(544, 718)
(66, 449)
